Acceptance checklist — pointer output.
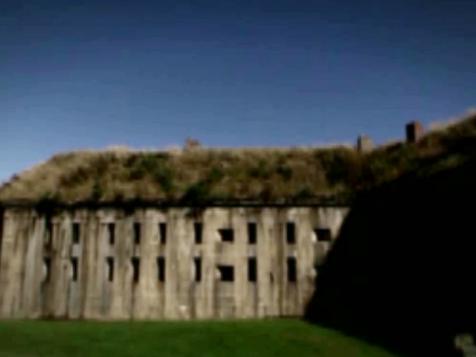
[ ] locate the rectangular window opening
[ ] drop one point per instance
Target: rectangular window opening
(137, 232)
(110, 268)
(290, 233)
(226, 234)
(74, 268)
(135, 269)
(198, 268)
(226, 273)
(163, 232)
(252, 233)
(161, 269)
(198, 228)
(76, 233)
(111, 228)
(252, 269)
(323, 234)
(292, 269)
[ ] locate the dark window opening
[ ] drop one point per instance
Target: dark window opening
(111, 228)
(135, 269)
(292, 269)
(74, 268)
(110, 268)
(252, 233)
(252, 269)
(76, 233)
(323, 234)
(198, 268)
(163, 232)
(290, 233)
(137, 233)
(226, 273)
(198, 228)
(161, 269)
(226, 234)
(47, 267)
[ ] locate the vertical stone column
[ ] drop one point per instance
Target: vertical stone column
(1, 239)
(204, 290)
(176, 302)
(20, 270)
(237, 221)
(10, 269)
(251, 289)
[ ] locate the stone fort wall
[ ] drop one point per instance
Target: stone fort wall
(170, 263)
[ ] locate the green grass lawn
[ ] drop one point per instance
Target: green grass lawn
(209, 338)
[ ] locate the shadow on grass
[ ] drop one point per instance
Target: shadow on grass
(401, 274)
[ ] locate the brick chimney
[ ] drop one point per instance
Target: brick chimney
(364, 144)
(414, 131)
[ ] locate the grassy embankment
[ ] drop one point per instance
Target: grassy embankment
(263, 175)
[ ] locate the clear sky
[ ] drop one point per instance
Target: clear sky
(147, 74)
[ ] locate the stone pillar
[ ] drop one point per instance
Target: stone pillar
(414, 132)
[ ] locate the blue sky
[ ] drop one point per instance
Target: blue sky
(90, 74)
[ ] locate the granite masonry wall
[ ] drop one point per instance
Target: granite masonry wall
(152, 263)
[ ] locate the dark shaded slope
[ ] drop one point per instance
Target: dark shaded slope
(402, 272)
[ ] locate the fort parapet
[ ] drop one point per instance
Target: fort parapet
(193, 234)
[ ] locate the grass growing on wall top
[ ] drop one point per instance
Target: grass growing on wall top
(210, 338)
(264, 175)
(186, 176)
